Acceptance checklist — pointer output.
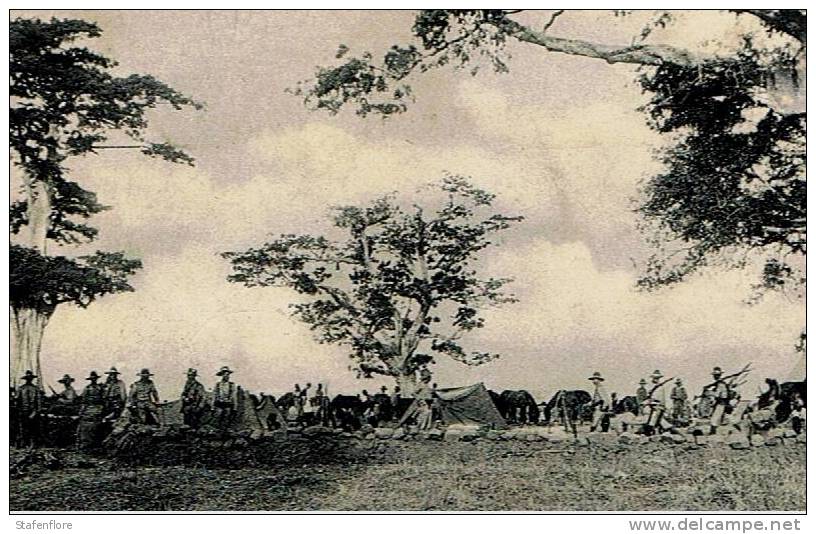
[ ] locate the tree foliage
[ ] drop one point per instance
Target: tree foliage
(734, 179)
(400, 288)
(43, 282)
(65, 102)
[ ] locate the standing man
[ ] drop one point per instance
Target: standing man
(192, 400)
(679, 398)
(144, 399)
(601, 401)
(657, 402)
(720, 394)
(642, 395)
(225, 399)
(322, 404)
(90, 413)
(115, 394)
(29, 398)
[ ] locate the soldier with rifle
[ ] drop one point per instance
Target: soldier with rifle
(720, 393)
(656, 401)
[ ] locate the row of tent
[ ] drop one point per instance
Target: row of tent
(469, 405)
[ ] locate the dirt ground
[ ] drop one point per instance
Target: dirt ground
(327, 473)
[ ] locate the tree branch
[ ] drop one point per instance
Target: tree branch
(641, 54)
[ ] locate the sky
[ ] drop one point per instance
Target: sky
(558, 139)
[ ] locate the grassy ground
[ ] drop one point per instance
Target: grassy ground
(421, 475)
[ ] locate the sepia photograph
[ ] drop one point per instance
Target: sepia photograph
(476, 260)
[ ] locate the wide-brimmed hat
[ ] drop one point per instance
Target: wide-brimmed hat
(28, 375)
(716, 371)
(224, 371)
(657, 374)
(67, 379)
(596, 376)
(642, 382)
(192, 372)
(92, 376)
(145, 372)
(112, 371)
(678, 381)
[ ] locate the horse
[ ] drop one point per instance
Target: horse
(627, 404)
(568, 407)
(520, 407)
(346, 411)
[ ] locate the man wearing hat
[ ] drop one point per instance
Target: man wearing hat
(679, 398)
(90, 412)
(656, 402)
(68, 396)
(601, 401)
(193, 400)
(115, 394)
(720, 394)
(144, 399)
(642, 395)
(29, 398)
(225, 398)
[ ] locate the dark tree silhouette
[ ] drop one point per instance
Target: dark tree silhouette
(400, 288)
(65, 102)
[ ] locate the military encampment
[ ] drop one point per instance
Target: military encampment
(434, 260)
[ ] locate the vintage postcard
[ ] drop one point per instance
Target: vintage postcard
(412, 261)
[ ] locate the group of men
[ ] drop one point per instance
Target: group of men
(104, 402)
(652, 401)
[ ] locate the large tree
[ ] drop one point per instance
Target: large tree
(734, 179)
(65, 103)
(403, 284)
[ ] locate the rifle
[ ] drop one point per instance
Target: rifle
(731, 377)
(52, 391)
(657, 386)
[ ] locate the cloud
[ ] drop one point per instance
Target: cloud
(574, 318)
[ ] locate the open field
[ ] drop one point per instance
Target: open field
(327, 473)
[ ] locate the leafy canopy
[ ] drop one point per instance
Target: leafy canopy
(734, 179)
(66, 102)
(402, 286)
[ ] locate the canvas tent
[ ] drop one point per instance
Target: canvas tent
(246, 418)
(470, 405)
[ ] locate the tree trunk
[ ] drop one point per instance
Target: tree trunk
(39, 213)
(28, 324)
(27, 328)
(407, 384)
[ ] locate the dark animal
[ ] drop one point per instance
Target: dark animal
(626, 404)
(520, 407)
(346, 412)
(568, 407)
